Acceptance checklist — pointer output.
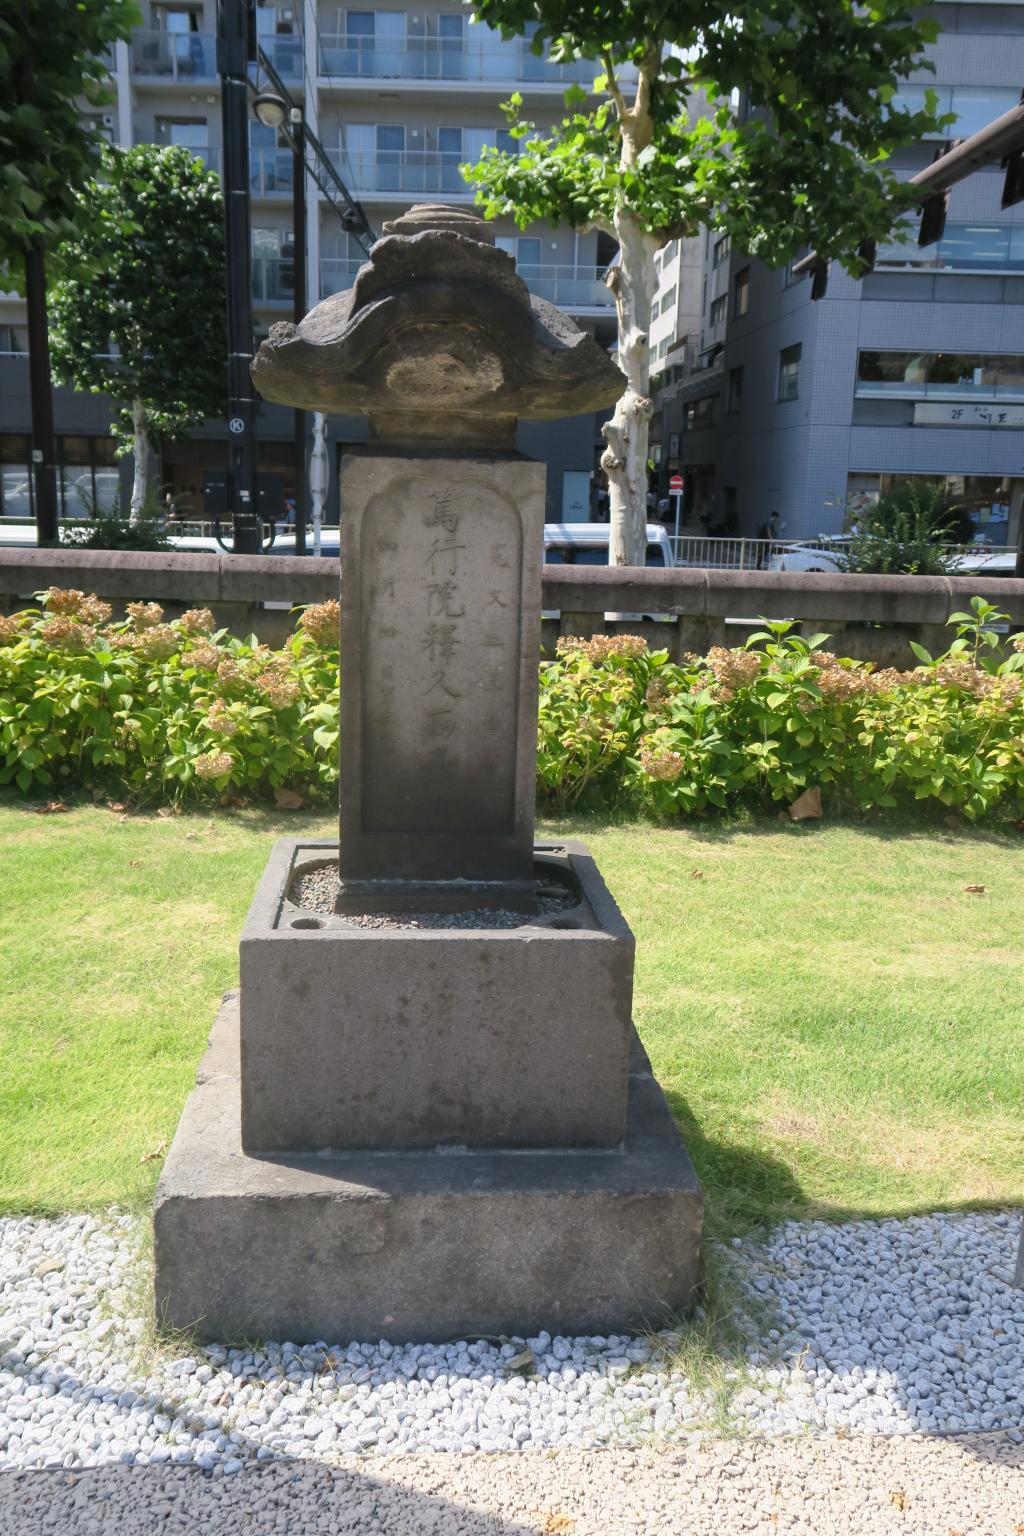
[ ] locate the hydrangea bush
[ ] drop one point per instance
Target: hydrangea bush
(171, 711)
(165, 711)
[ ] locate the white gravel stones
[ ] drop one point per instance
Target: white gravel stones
(882, 1327)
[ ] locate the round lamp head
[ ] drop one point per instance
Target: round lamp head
(270, 108)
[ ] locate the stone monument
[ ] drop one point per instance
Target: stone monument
(427, 1114)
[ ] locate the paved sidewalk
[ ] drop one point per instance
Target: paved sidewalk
(967, 1486)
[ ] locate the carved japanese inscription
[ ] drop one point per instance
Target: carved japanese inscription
(441, 622)
(440, 577)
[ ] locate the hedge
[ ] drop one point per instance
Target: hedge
(168, 712)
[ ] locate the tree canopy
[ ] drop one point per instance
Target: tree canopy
(775, 123)
(147, 326)
(53, 58)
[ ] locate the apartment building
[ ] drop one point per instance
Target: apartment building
(778, 405)
(399, 99)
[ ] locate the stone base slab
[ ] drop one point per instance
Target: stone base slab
(419, 1246)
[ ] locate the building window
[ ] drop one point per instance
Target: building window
(15, 476)
(935, 375)
(789, 373)
(721, 251)
(718, 309)
(668, 301)
(741, 292)
(701, 413)
(989, 247)
(13, 340)
(735, 388)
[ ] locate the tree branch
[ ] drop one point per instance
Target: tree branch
(614, 88)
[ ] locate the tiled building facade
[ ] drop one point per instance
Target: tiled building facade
(777, 405)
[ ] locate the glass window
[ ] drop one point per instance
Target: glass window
(13, 339)
(976, 107)
(449, 28)
(936, 374)
(741, 292)
(16, 490)
(527, 252)
(789, 373)
(735, 388)
(721, 251)
(718, 309)
(506, 142)
(361, 26)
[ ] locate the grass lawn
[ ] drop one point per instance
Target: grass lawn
(836, 1020)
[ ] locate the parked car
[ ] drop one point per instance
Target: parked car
(826, 555)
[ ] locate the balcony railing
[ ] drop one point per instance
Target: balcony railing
(569, 287)
(174, 55)
(285, 53)
(407, 170)
(431, 58)
(270, 171)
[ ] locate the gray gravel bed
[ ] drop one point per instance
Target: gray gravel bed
(317, 890)
(885, 1327)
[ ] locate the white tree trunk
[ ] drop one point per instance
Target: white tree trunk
(140, 485)
(633, 282)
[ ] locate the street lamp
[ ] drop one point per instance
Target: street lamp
(271, 109)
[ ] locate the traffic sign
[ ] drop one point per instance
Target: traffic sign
(675, 485)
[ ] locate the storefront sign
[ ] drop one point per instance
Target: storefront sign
(932, 413)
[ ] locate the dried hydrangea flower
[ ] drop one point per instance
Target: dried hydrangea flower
(66, 634)
(157, 642)
(320, 622)
(66, 600)
(9, 628)
(197, 621)
(667, 766)
(204, 657)
(217, 719)
(145, 615)
(213, 765)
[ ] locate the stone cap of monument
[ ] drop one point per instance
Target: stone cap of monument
(438, 339)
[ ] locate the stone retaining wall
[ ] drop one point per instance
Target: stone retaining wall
(870, 617)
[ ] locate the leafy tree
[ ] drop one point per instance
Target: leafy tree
(908, 531)
(148, 326)
(773, 123)
(52, 60)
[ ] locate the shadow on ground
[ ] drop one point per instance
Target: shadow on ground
(300, 1497)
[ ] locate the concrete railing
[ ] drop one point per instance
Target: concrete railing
(872, 617)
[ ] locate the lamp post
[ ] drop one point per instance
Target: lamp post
(274, 112)
(235, 46)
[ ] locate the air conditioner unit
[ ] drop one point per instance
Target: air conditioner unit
(108, 119)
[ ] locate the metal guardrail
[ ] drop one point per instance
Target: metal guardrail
(708, 552)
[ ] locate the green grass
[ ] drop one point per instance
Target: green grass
(836, 1021)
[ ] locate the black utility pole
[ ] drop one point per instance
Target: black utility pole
(236, 45)
(299, 295)
(44, 444)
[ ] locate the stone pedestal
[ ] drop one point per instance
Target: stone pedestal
(356, 1038)
(416, 1131)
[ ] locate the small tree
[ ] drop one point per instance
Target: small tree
(148, 327)
(908, 531)
(791, 151)
(52, 58)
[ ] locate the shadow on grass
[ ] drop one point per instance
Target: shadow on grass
(751, 1191)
